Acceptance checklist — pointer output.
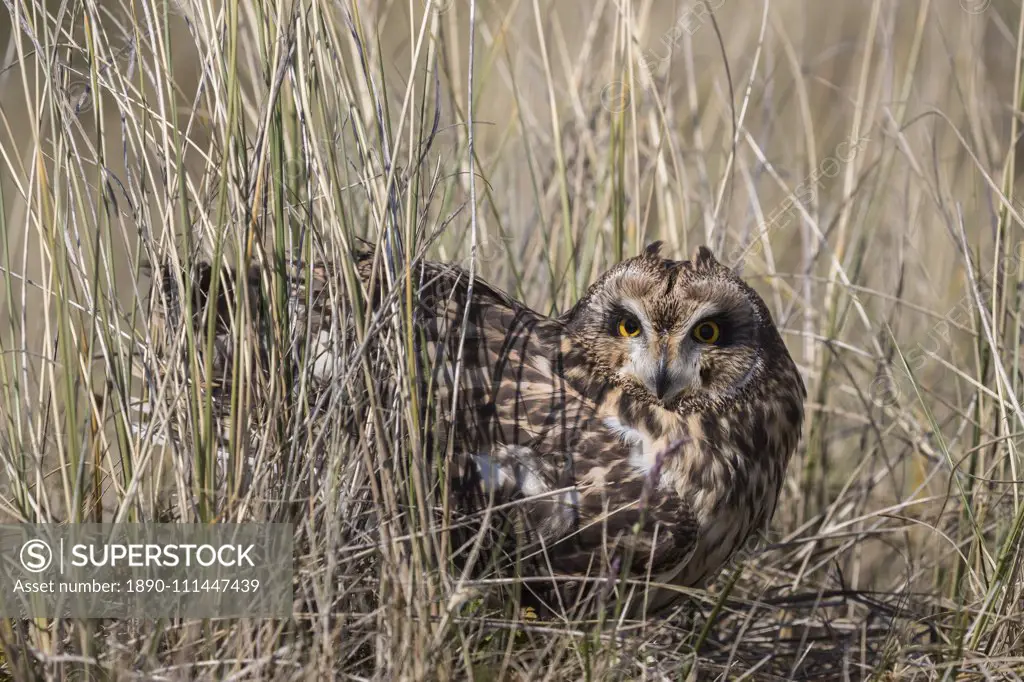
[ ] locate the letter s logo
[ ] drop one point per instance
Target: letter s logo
(36, 556)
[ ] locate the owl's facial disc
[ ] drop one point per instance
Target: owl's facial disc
(709, 349)
(653, 355)
(672, 329)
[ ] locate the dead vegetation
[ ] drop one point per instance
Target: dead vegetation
(857, 159)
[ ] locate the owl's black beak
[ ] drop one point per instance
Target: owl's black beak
(662, 380)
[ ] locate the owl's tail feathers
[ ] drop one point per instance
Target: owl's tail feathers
(307, 331)
(539, 487)
(175, 346)
(179, 301)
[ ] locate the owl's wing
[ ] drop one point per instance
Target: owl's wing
(496, 369)
(625, 521)
(510, 387)
(538, 486)
(624, 514)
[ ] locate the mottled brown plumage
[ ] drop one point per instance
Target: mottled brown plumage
(648, 428)
(572, 404)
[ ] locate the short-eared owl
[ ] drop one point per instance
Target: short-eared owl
(646, 429)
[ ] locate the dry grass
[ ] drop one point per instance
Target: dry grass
(858, 160)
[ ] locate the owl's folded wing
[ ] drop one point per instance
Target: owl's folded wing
(641, 535)
(508, 364)
(586, 528)
(625, 518)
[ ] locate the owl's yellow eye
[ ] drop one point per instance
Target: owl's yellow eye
(707, 332)
(629, 327)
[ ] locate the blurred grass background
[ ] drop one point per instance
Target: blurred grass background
(857, 160)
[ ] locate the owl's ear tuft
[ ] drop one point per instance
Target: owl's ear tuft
(653, 249)
(703, 259)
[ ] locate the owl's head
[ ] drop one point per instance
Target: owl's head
(674, 329)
